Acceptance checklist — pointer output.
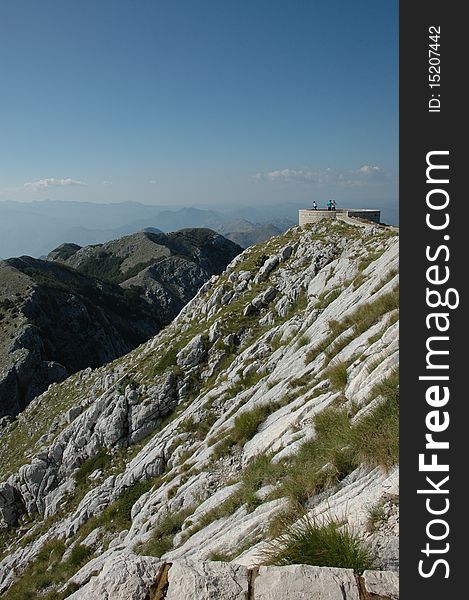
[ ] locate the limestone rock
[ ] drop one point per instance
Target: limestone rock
(207, 581)
(193, 353)
(11, 504)
(165, 428)
(297, 582)
(124, 577)
(382, 583)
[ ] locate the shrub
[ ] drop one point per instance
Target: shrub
(259, 472)
(340, 447)
(327, 298)
(301, 381)
(364, 317)
(365, 262)
(322, 461)
(322, 545)
(125, 382)
(199, 428)
(48, 571)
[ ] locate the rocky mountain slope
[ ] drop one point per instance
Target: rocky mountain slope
(267, 409)
(166, 269)
(84, 307)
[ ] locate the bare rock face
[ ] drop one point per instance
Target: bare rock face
(384, 584)
(207, 581)
(11, 504)
(192, 354)
(127, 577)
(303, 581)
(183, 448)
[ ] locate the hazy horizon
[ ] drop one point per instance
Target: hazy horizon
(35, 228)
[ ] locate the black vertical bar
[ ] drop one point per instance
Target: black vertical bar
(432, 119)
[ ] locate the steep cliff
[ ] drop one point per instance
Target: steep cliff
(272, 395)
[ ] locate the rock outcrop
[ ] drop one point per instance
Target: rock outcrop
(128, 577)
(202, 443)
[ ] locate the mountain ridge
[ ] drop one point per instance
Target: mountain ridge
(80, 308)
(272, 393)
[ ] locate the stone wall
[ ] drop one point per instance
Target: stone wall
(132, 577)
(313, 216)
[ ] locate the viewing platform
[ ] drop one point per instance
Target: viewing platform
(309, 215)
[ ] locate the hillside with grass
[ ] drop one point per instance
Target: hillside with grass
(84, 307)
(256, 432)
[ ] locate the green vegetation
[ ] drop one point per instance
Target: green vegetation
(324, 545)
(340, 447)
(301, 381)
(375, 438)
(116, 517)
(21, 436)
(247, 423)
(303, 341)
(200, 428)
(229, 556)
(364, 317)
(79, 555)
(48, 572)
(104, 266)
(367, 260)
(261, 471)
(376, 516)
(101, 461)
(163, 534)
(337, 375)
(245, 427)
(127, 381)
(167, 360)
(390, 275)
(320, 462)
(327, 298)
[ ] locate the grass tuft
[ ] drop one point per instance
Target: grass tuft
(323, 545)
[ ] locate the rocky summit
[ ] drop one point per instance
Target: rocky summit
(84, 307)
(255, 432)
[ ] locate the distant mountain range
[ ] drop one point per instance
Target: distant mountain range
(35, 228)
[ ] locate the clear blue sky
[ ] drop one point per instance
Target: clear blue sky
(190, 102)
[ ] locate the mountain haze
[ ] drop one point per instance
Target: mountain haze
(35, 228)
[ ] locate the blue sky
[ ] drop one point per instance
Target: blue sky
(199, 102)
